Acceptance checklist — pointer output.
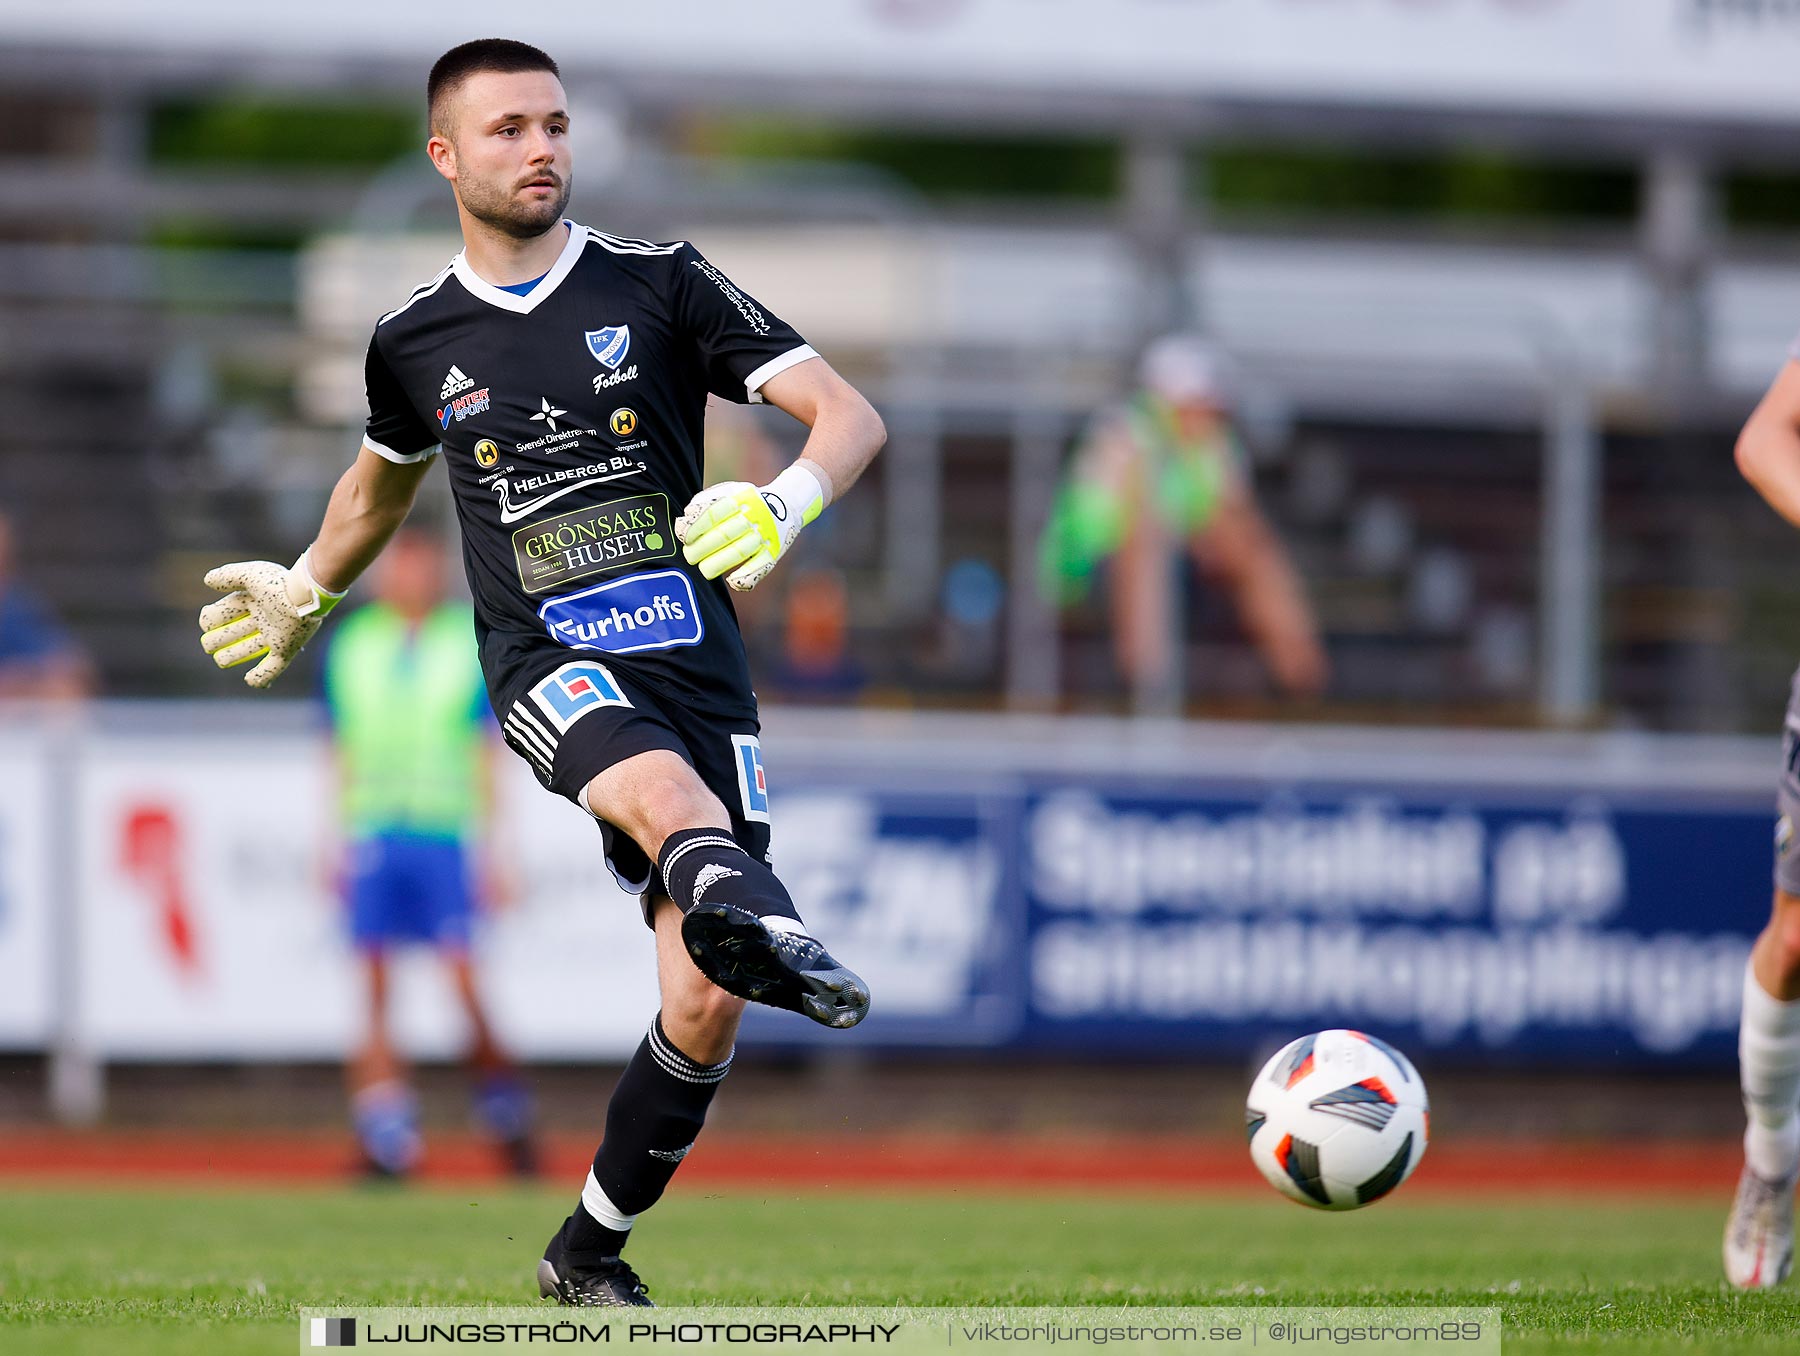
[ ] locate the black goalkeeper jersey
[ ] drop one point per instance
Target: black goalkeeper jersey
(570, 419)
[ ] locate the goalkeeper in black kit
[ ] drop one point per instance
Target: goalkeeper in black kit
(561, 374)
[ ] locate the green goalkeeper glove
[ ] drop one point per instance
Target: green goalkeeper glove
(270, 614)
(734, 526)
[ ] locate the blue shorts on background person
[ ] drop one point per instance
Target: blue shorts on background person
(403, 887)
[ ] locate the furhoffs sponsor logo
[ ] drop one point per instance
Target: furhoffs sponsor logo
(652, 611)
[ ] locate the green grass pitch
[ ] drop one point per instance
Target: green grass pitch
(167, 1271)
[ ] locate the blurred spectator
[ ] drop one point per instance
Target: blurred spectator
(816, 663)
(1161, 471)
(38, 659)
(415, 746)
(970, 605)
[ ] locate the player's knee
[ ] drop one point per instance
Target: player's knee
(1784, 931)
(704, 1017)
(656, 807)
(673, 804)
(713, 1010)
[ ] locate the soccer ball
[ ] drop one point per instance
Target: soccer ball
(1337, 1120)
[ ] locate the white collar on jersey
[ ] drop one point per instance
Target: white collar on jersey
(512, 301)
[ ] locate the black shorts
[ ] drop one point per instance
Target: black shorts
(572, 716)
(1787, 797)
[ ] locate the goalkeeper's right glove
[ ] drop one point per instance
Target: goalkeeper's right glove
(270, 614)
(737, 527)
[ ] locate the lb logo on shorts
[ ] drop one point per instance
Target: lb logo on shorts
(753, 782)
(576, 689)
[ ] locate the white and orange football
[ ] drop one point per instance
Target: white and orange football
(1337, 1120)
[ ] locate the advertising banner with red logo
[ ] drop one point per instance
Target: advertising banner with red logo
(27, 971)
(212, 925)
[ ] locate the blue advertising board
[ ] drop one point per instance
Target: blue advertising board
(1571, 928)
(1200, 917)
(915, 890)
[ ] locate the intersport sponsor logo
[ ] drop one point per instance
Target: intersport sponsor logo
(476, 402)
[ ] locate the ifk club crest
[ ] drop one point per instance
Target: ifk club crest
(610, 345)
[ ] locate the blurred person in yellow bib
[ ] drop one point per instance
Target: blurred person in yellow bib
(1165, 471)
(415, 744)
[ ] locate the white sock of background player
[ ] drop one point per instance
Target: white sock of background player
(1769, 1070)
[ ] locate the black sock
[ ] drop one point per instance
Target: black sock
(696, 861)
(655, 1114)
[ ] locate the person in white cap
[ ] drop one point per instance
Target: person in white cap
(1161, 472)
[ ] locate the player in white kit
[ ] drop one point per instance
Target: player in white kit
(1759, 1236)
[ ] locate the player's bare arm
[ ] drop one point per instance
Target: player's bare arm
(744, 529)
(1768, 448)
(846, 431)
(368, 504)
(270, 612)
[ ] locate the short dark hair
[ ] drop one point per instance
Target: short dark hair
(501, 56)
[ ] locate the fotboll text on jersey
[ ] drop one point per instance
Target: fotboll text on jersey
(614, 378)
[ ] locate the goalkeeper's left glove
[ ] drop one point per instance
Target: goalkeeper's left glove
(737, 527)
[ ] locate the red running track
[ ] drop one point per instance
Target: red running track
(1135, 1163)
